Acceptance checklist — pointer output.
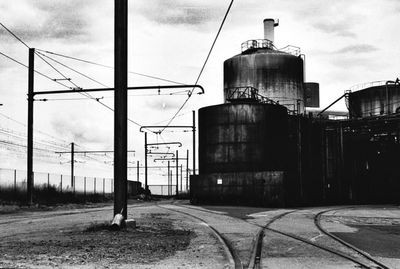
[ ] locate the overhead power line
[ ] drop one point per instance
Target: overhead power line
(74, 70)
(14, 35)
(62, 84)
(110, 67)
(37, 72)
(36, 130)
(85, 94)
(204, 65)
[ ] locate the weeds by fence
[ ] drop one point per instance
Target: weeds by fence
(54, 188)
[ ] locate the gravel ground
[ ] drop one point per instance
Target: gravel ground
(152, 240)
(75, 237)
(81, 239)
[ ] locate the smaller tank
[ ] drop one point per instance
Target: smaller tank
(377, 100)
(276, 74)
(311, 94)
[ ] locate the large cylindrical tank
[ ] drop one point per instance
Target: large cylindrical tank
(374, 101)
(242, 137)
(277, 75)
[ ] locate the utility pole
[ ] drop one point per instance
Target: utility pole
(170, 178)
(72, 164)
(120, 106)
(145, 161)
(29, 176)
(194, 142)
(169, 188)
(181, 177)
(187, 168)
(137, 164)
(177, 174)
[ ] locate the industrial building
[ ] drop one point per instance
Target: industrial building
(264, 146)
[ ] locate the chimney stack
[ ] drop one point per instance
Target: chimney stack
(269, 25)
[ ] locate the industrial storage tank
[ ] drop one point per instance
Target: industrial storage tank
(241, 154)
(276, 74)
(375, 99)
(241, 137)
(311, 94)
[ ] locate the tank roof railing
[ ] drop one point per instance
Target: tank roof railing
(291, 50)
(257, 44)
(365, 85)
(248, 93)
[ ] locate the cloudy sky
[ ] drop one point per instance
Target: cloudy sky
(345, 43)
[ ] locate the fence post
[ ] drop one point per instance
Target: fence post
(48, 181)
(84, 187)
(104, 186)
(74, 188)
(61, 184)
(94, 185)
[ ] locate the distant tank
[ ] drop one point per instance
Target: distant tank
(375, 99)
(276, 74)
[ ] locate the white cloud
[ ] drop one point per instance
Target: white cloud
(345, 43)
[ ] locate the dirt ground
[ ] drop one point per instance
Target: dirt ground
(76, 237)
(154, 238)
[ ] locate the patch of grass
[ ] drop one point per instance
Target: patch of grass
(49, 196)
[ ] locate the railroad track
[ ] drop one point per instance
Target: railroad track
(256, 257)
(255, 261)
(317, 221)
(233, 258)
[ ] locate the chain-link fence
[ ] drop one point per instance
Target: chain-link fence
(13, 185)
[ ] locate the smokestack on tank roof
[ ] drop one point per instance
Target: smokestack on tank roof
(269, 25)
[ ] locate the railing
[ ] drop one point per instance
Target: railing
(247, 93)
(257, 44)
(365, 85)
(291, 50)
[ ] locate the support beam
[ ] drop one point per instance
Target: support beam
(145, 162)
(80, 90)
(181, 177)
(121, 107)
(29, 176)
(194, 142)
(72, 164)
(187, 169)
(177, 173)
(169, 183)
(138, 172)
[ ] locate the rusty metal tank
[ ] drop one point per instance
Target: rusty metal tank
(277, 74)
(241, 154)
(375, 100)
(239, 137)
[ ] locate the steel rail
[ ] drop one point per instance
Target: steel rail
(317, 221)
(255, 262)
(231, 253)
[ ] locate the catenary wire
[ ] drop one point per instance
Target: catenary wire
(109, 67)
(86, 94)
(204, 65)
